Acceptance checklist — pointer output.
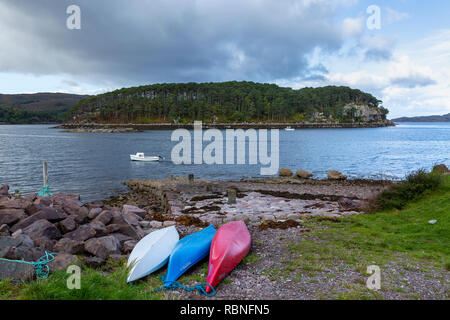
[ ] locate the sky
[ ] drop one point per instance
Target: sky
(401, 56)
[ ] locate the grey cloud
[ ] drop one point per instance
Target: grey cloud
(413, 81)
(132, 42)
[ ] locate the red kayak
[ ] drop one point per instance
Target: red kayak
(230, 245)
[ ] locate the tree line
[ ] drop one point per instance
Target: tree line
(220, 102)
(12, 115)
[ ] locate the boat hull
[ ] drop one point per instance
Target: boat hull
(230, 245)
(152, 252)
(145, 159)
(188, 251)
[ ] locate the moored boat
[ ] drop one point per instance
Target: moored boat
(152, 252)
(230, 245)
(188, 251)
(140, 156)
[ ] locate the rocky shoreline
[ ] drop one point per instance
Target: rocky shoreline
(112, 128)
(96, 231)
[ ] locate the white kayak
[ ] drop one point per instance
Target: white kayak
(152, 252)
(141, 157)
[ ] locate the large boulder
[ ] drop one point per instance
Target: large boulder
(4, 230)
(105, 217)
(302, 174)
(69, 246)
(128, 246)
(83, 233)
(94, 212)
(63, 261)
(336, 175)
(67, 225)
(74, 208)
(16, 271)
(11, 216)
(135, 210)
(4, 190)
(45, 243)
(39, 204)
(42, 228)
(103, 247)
(285, 172)
(95, 204)
(48, 213)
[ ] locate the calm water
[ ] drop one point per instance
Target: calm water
(95, 164)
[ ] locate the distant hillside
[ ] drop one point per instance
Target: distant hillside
(444, 118)
(227, 102)
(40, 101)
(36, 107)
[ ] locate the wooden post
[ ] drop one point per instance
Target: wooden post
(231, 196)
(191, 177)
(45, 173)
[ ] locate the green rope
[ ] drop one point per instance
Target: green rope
(40, 266)
(173, 285)
(45, 192)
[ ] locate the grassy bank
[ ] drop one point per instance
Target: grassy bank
(400, 239)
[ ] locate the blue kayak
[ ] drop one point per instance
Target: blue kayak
(188, 251)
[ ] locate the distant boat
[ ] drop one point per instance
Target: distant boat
(288, 128)
(141, 157)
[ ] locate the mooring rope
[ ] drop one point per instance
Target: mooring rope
(45, 192)
(40, 265)
(173, 285)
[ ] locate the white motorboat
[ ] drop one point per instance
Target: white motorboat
(288, 128)
(140, 156)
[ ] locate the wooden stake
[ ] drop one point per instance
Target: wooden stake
(45, 173)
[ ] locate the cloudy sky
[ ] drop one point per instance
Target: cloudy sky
(295, 43)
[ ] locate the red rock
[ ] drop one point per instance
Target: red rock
(48, 213)
(83, 233)
(39, 204)
(103, 247)
(105, 217)
(94, 212)
(11, 216)
(95, 204)
(135, 210)
(121, 237)
(68, 224)
(100, 229)
(6, 203)
(42, 228)
(128, 246)
(69, 246)
(112, 228)
(44, 243)
(63, 261)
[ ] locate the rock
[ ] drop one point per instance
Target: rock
(285, 172)
(38, 204)
(44, 243)
(93, 262)
(73, 207)
(169, 223)
(11, 216)
(105, 217)
(346, 204)
(336, 175)
(133, 232)
(128, 246)
(121, 237)
(302, 174)
(267, 217)
(133, 209)
(50, 214)
(83, 233)
(42, 228)
(103, 247)
(441, 169)
(22, 203)
(69, 246)
(4, 190)
(144, 224)
(4, 230)
(68, 224)
(100, 229)
(63, 261)
(95, 204)
(17, 233)
(156, 224)
(24, 241)
(131, 218)
(16, 271)
(292, 216)
(111, 228)
(94, 212)
(117, 218)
